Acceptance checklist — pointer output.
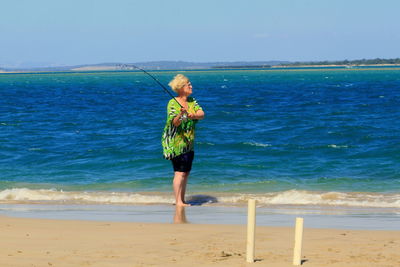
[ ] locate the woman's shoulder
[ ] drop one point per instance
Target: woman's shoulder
(191, 99)
(172, 102)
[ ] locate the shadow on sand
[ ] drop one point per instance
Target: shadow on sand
(198, 200)
(195, 200)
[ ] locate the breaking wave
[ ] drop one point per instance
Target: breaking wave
(290, 197)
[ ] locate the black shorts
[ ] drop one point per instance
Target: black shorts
(183, 162)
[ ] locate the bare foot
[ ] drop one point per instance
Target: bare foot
(182, 204)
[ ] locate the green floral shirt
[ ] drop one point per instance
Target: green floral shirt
(179, 140)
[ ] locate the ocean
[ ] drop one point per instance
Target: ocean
(305, 137)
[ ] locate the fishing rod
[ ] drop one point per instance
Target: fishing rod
(159, 83)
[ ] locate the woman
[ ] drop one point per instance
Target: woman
(178, 135)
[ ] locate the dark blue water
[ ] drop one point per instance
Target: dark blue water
(264, 131)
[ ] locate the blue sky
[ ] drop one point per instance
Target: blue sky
(61, 32)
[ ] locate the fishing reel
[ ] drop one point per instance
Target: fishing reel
(183, 117)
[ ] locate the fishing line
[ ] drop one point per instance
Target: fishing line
(159, 83)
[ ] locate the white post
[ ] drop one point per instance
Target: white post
(251, 223)
(298, 240)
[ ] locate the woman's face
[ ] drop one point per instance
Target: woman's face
(186, 89)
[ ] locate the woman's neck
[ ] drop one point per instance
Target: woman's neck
(182, 97)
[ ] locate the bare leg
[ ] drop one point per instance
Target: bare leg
(185, 180)
(179, 185)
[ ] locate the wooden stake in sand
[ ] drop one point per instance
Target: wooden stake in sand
(298, 240)
(251, 224)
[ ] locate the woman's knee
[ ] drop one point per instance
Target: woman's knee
(181, 175)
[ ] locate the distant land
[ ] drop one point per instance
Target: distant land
(357, 62)
(183, 65)
(152, 65)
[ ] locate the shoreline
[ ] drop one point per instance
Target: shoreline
(108, 69)
(271, 216)
(337, 65)
(45, 242)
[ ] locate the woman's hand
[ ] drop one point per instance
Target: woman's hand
(192, 116)
(183, 111)
(199, 115)
(178, 119)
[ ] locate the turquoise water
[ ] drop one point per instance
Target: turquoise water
(323, 137)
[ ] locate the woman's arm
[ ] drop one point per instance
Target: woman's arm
(199, 115)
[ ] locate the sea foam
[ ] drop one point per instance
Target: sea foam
(298, 197)
(257, 144)
(290, 197)
(47, 195)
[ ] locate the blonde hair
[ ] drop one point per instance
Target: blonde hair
(178, 82)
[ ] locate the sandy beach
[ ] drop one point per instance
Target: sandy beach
(45, 242)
